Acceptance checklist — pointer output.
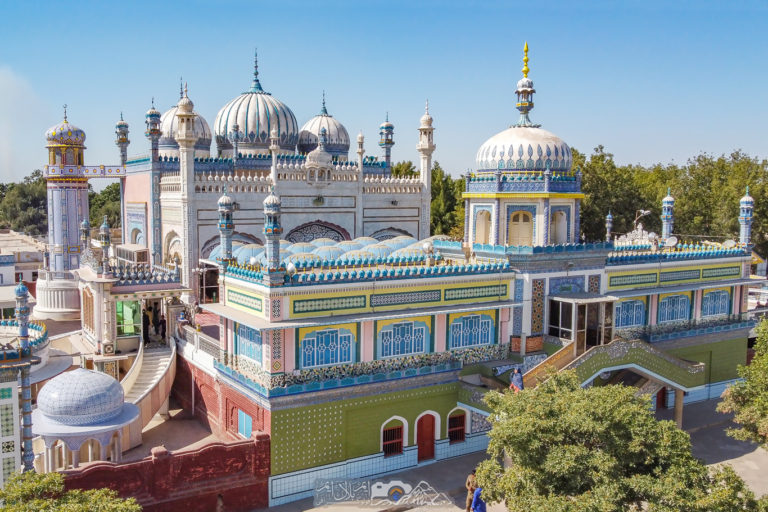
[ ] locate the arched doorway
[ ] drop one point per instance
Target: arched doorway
(558, 228)
(483, 227)
(520, 228)
(425, 437)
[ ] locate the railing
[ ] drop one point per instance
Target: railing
(556, 361)
(200, 341)
(133, 373)
(686, 328)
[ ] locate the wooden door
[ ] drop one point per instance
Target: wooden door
(425, 437)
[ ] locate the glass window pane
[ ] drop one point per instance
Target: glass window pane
(567, 313)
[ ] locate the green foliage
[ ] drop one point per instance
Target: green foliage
(572, 449)
(24, 205)
(447, 208)
(106, 202)
(45, 493)
(748, 398)
(404, 169)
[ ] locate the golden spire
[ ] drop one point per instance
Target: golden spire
(525, 61)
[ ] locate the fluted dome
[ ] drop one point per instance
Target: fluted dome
(168, 125)
(65, 133)
(81, 397)
(337, 137)
(524, 148)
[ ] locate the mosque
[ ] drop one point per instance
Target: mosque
(307, 299)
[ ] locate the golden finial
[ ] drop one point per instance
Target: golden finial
(525, 61)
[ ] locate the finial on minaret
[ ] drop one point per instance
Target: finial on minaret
(153, 102)
(181, 87)
(386, 119)
(426, 107)
(525, 60)
(121, 116)
(186, 90)
(323, 111)
(256, 86)
(65, 112)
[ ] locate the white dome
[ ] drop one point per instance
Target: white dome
(81, 397)
(167, 143)
(524, 148)
(337, 137)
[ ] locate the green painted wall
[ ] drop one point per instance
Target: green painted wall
(335, 431)
(721, 357)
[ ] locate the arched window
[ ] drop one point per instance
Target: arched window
(393, 435)
(483, 227)
(326, 347)
(674, 308)
(457, 426)
(715, 303)
(630, 313)
(558, 228)
(403, 338)
(520, 229)
(471, 331)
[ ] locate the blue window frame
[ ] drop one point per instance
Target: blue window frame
(248, 342)
(403, 338)
(674, 308)
(630, 313)
(471, 331)
(326, 347)
(244, 424)
(714, 303)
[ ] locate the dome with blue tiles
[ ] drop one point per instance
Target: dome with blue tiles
(21, 290)
(81, 397)
(747, 199)
(65, 133)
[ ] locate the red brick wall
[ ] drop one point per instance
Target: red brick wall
(234, 476)
(532, 344)
(216, 404)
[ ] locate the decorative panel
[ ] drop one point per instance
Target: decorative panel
(537, 306)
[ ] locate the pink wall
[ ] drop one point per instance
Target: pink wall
(368, 340)
(654, 306)
(504, 325)
(440, 341)
(289, 350)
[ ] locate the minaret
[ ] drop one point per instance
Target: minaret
(22, 314)
(272, 232)
(105, 238)
(273, 147)
(360, 151)
(153, 132)
(746, 208)
(667, 215)
(387, 132)
(525, 93)
(608, 226)
(425, 148)
(186, 136)
(360, 184)
(226, 226)
(121, 130)
(22, 317)
(85, 235)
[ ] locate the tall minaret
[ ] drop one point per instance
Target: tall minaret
(153, 131)
(608, 226)
(273, 148)
(226, 226)
(387, 132)
(746, 208)
(186, 136)
(426, 147)
(667, 215)
(121, 130)
(272, 231)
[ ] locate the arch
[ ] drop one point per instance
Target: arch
(390, 232)
(520, 228)
(137, 236)
(558, 228)
(482, 227)
(317, 229)
(384, 425)
(172, 247)
(438, 425)
(467, 416)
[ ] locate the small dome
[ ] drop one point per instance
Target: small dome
(185, 104)
(524, 148)
(323, 242)
(747, 199)
(226, 200)
(360, 138)
(65, 133)
(121, 125)
(272, 200)
(320, 157)
(386, 125)
(300, 247)
(21, 290)
(168, 125)
(366, 240)
(329, 252)
(243, 254)
(426, 119)
(337, 138)
(81, 397)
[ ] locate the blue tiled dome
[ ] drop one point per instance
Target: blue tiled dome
(21, 290)
(81, 397)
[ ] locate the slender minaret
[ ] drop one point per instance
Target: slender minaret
(608, 226)
(667, 215)
(226, 226)
(272, 231)
(360, 184)
(153, 132)
(105, 238)
(186, 136)
(387, 132)
(360, 151)
(85, 235)
(22, 314)
(425, 148)
(273, 147)
(121, 131)
(746, 208)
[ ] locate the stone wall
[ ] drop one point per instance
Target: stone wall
(221, 476)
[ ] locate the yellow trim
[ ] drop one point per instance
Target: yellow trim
(641, 298)
(672, 294)
(455, 316)
(536, 195)
(304, 331)
(721, 288)
(381, 324)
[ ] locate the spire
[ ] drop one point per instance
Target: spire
(256, 86)
(426, 108)
(65, 113)
(121, 116)
(181, 87)
(153, 102)
(525, 61)
(186, 90)
(323, 111)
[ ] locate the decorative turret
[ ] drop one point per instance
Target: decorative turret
(153, 132)
(226, 225)
(105, 239)
(272, 231)
(121, 131)
(525, 93)
(386, 141)
(667, 215)
(273, 148)
(186, 136)
(235, 136)
(85, 234)
(746, 209)
(426, 146)
(360, 150)
(608, 226)
(22, 314)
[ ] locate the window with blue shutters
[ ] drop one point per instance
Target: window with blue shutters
(327, 347)
(402, 339)
(630, 313)
(674, 308)
(248, 342)
(471, 331)
(244, 424)
(715, 303)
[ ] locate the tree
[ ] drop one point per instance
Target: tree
(106, 202)
(45, 493)
(597, 449)
(748, 398)
(446, 213)
(24, 206)
(404, 169)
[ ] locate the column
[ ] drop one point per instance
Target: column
(90, 450)
(679, 394)
(119, 446)
(75, 459)
(27, 455)
(48, 459)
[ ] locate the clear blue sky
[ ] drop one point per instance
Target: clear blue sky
(651, 81)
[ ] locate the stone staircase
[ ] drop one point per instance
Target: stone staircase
(153, 367)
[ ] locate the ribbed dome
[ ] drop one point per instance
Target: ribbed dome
(168, 126)
(65, 133)
(81, 397)
(524, 148)
(337, 137)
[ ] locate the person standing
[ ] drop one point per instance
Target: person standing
(478, 505)
(516, 383)
(163, 327)
(145, 326)
(470, 484)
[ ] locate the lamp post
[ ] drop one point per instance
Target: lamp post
(639, 214)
